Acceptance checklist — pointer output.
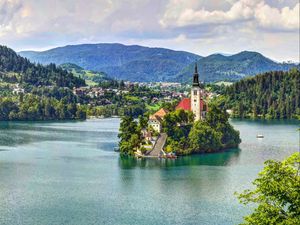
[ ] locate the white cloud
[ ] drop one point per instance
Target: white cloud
(198, 26)
(8, 10)
(285, 18)
(180, 14)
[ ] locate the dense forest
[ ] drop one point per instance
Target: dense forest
(16, 69)
(43, 92)
(272, 95)
(33, 107)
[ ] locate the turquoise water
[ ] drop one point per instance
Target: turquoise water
(67, 173)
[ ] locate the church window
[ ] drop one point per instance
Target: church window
(195, 92)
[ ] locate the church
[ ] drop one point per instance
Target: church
(196, 102)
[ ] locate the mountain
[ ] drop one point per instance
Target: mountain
(218, 67)
(91, 77)
(16, 69)
(135, 63)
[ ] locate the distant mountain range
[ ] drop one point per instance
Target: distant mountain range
(218, 67)
(138, 63)
(135, 63)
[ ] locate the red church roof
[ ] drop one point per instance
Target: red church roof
(185, 104)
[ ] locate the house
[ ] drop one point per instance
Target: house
(80, 91)
(17, 89)
(155, 120)
(147, 135)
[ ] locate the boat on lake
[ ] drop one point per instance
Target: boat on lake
(169, 155)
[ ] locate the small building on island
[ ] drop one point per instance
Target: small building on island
(155, 120)
(196, 102)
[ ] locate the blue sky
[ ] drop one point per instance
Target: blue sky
(200, 26)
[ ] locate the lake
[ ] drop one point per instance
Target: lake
(67, 173)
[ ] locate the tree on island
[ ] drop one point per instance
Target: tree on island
(203, 138)
(277, 193)
(130, 136)
(217, 118)
(212, 134)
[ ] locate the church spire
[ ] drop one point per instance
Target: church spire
(196, 77)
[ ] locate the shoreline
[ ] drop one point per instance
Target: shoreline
(118, 117)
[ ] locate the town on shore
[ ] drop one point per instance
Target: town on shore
(36, 92)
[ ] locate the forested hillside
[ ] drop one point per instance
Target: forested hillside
(273, 95)
(35, 92)
(16, 69)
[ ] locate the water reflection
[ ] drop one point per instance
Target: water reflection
(263, 122)
(214, 159)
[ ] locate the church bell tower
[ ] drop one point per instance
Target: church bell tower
(196, 96)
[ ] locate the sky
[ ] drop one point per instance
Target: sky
(204, 27)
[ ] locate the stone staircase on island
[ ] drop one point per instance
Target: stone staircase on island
(158, 146)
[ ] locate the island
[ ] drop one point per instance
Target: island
(195, 125)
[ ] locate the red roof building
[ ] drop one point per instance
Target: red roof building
(185, 104)
(161, 113)
(156, 119)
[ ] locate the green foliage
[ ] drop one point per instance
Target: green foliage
(212, 134)
(33, 107)
(143, 121)
(203, 138)
(273, 95)
(34, 74)
(91, 77)
(130, 136)
(175, 118)
(170, 106)
(276, 194)
(217, 118)
(111, 84)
